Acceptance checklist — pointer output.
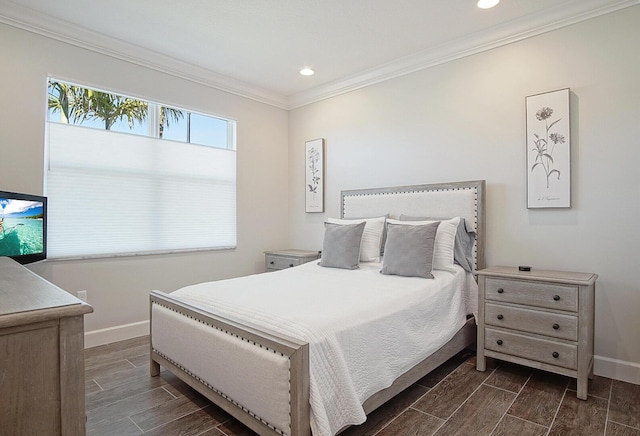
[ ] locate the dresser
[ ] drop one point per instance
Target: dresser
(41, 355)
(539, 318)
(281, 259)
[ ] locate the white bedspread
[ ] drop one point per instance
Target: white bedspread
(364, 329)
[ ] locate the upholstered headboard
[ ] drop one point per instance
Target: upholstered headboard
(443, 200)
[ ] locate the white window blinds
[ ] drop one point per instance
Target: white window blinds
(111, 193)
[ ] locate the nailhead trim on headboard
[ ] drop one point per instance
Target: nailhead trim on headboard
(474, 212)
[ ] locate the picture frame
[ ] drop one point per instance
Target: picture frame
(314, 176)
(548, 142)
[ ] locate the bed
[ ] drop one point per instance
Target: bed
(315, 348)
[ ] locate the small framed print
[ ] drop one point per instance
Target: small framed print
(314, 175)
(548, 150)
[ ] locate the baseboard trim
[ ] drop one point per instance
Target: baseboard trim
(118, 333)
(617, 369)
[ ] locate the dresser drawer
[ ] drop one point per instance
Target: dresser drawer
(532, 321)
(540, 294)
(533, 348)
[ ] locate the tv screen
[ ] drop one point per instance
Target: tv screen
(23, 227)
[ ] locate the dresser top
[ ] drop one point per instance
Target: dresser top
(568, 277)
(21, 290)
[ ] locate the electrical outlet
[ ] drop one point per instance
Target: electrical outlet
(82, 295)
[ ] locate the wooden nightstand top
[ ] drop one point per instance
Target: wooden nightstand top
(568, 277)
(293, 252)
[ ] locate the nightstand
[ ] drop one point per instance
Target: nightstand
(542, 319)
(281, 259)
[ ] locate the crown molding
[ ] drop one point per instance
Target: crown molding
(507, 33)
(60, 30)
(513, 31)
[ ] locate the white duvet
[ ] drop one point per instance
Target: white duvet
(364, 329)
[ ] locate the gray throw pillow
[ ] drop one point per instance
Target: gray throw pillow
(463, 246)
(341, 245)
(409, 250)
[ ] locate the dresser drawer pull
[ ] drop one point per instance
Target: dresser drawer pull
(499, 342)
(500, 316)
(290, 265)
(271, 263)
(556, 298)
(556, 326)
(555, 354)
(500, 290)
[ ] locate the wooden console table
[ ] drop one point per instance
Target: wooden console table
(41, 355)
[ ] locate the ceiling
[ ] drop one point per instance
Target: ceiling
(255, 48)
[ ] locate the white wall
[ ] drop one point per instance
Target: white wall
(118, 288)
(465, 120)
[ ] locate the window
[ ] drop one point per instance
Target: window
(128, 176)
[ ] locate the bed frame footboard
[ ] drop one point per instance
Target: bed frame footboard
(223, 370)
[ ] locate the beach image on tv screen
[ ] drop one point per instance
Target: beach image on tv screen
(21, 227)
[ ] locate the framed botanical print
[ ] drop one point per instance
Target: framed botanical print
(314, 175)
(548, 150)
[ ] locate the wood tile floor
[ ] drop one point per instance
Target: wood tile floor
(455, 399)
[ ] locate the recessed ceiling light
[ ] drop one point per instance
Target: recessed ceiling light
(486, 4)
(307, 71)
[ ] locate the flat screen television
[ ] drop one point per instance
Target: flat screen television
(23, 227)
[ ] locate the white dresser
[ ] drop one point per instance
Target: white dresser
(539, 318)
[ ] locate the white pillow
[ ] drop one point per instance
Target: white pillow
(445, 240)
(371, 238)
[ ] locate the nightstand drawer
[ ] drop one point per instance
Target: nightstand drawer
(280, 262)
(532, 321)
(533, 348)
(283, 259)
(532, 293)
